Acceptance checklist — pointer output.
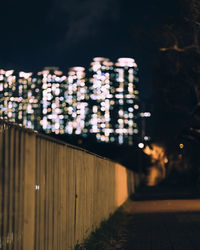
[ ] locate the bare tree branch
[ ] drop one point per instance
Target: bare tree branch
(178, 49)
(194, 21)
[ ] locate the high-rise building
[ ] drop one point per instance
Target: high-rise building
(102, 101)
(8, 95)
(126, 101)
(52, 82)
(100, 89)
(26, 100)
(114, 100)
(76, 100)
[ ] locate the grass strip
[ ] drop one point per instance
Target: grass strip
(111, 234)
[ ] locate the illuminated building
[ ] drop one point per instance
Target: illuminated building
(102, 101)
(19, 99)
(52, 82)
(114, 100)
(8, 95)
(76, 98)
(28, 104)
(100, 87)
(126, 101)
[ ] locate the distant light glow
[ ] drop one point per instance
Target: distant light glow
(126, 62)
(141, 145)
(136, 106)
(181, 145)
(145, 114)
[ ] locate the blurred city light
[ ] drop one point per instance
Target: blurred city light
(181, 145)
(102, 100)
(141, 145)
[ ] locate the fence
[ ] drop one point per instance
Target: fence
(53, 195)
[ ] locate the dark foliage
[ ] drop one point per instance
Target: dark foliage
(176, 85)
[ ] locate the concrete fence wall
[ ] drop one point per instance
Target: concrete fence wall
(53, 195)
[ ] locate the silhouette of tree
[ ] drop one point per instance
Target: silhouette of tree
(176, 86)
(177, 81)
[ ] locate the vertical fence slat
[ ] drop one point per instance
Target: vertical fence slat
(55, 199)
(71, 201)
(5, 188)
(16, 191)
(29, 192)
(46, 198)
(42, 195)
(63, 183)
(2, 132)
(50, 186)
(11, 189)
(21, 188)
(37, 194)
(59, 198)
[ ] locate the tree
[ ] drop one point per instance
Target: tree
(177, 81)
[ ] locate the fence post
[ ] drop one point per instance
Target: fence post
(29, 191)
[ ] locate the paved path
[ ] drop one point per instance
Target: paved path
(162, 225)
(157, 219)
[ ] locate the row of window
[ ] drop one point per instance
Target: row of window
(102, 100)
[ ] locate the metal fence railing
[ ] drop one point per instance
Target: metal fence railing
(53, 195)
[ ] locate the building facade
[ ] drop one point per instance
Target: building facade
(102, 101)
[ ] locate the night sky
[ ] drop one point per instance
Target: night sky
(67, 33)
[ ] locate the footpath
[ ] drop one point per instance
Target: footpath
(154, 220)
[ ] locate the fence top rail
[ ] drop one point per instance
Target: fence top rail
(8, 123)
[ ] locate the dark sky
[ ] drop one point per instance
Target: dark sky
(67, 33)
